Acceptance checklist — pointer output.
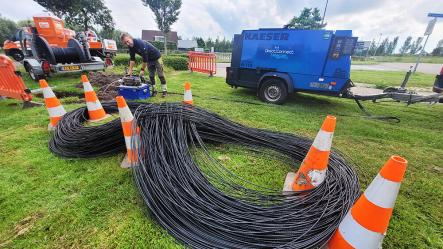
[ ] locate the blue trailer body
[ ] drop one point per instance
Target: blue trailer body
(307, 60)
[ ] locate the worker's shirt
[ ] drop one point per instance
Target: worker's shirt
(146, 50)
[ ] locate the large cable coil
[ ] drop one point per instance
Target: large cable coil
(196, 198)
(73, 53)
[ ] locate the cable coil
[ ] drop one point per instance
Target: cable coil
(196, 198)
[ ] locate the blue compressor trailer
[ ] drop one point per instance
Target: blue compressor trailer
(278, 62)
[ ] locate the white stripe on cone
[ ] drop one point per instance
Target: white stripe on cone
(56, 111)
(92, 106)
(125, 114)
(382, 192)
(188, 95)
(87, 87)
(358, 236)
(48, 93)
(323, 140)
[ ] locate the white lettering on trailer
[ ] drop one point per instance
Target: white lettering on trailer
(43, 25)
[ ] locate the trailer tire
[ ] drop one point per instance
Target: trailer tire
(32, 74)
(273, 90)
(16, 54)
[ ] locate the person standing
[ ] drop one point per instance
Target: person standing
(150, 57)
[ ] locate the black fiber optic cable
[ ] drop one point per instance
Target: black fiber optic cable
(197, 199)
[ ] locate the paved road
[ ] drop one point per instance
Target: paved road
(396, 66)
(221, 69)
(384, 66)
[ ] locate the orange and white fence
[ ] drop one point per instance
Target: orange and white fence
(11, 84)
(202, 62)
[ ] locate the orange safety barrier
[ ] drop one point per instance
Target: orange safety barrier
(11, 84)
(202, 62)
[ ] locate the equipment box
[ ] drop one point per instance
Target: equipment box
(134, 92)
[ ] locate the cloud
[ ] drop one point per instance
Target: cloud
(224, 18)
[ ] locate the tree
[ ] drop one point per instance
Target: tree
(166, 13)
(438, 51)
(309, 19)
(392, 45)
(200, 42)
(25, 23)
(7, 29)
(80, 15)
(209, 44)
(406, 45)
(382, 48)
(416, 46)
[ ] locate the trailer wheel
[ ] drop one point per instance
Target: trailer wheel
(32, 73)
(16, 54)
(273, 91)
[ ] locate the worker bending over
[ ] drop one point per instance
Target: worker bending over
(150, 56)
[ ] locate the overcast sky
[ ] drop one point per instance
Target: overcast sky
(223, 18)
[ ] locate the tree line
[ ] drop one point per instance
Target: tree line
(310, 18)
(81, 15)
(219, 45)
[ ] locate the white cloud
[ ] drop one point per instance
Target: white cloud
(223, 18)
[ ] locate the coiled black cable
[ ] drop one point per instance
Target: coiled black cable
(72, 139)
(214, 208)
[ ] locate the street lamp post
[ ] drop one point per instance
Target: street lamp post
(428, 32)
(324, 13)
(379, 39)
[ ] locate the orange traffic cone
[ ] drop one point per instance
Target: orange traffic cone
(312, 171)
(95, 109)
(365, 225)
(126, 118)
(55, 109)
(187, 98)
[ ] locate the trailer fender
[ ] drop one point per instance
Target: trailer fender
(35, 65)
(283, 76)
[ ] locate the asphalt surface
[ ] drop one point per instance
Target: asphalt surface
(396, 66)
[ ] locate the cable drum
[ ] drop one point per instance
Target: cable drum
(214, 208)
(73, 53)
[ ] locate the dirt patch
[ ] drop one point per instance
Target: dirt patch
(106, 82)
(22, 227)
(62, 94)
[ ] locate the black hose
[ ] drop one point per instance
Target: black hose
(197, 199)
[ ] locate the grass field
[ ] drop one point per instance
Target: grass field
(383, 79)
(46, 201)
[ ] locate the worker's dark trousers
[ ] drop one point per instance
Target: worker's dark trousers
(156, 66)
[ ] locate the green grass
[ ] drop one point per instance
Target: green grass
(383, 79)
(47, 201)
